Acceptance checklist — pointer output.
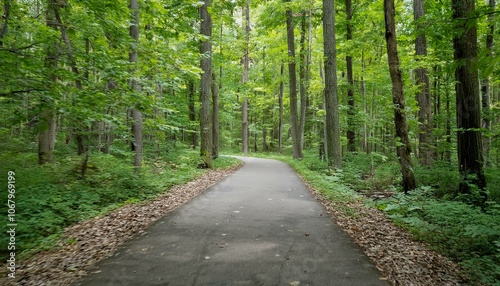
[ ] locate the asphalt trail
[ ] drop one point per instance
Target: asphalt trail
(259, 226)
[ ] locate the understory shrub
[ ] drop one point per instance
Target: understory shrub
(460, 231)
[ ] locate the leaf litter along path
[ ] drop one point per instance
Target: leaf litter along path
(401, 261)
(259, 226)
(92, 240)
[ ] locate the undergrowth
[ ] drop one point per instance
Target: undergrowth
(461, 232)
(433, 213)
(54, 196)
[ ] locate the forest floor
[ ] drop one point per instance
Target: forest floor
(400, 259)
(90, 241)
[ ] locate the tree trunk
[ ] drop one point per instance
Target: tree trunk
(468, 108)
(136, 114)
(365, 109)
(323, 152)
(137, 132)
(436, 98)
(254, 121)
(403, 147)
(280, 102)
(485, 85)
(215, 117)
(47, 121)
(425, 152)
(192, 113)
(447, 152)
(333, 143)
(206, 81)
(294, 120)
(5, 17)
(80, 138)
(244, 78)
(264, 134)
(220, 51)
(303, 80)
(351, 112)
(244, 126)
(46, 135)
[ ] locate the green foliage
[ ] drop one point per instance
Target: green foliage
(466, 234)
(224, 162)
(493, 179)
(442, 176)
(458, 230)
(371, 172)
(54, 196)
(329, 183)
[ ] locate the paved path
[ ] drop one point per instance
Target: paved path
(260, 226)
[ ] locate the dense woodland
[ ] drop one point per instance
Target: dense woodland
(109, 102)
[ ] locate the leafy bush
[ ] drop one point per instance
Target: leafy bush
(493, 179)
(442, 176)
(464, 233)
(372, 171)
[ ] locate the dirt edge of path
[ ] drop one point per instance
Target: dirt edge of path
(88, 242)
(402, 260)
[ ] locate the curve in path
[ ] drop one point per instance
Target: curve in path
(260, 226)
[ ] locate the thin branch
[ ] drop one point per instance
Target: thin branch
(18, 50)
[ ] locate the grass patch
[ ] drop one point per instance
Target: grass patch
(327, 182)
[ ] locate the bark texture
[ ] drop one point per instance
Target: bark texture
(403, 146)
(192, 113)
(425, 147)
(215, 117)
(468, 108)
(304, 79)
(47, 119)
(206, 81)
(280, 103)
(351, 112)
(292, 71)
(136, 114)
(244, 78)
(485, 84)
(332, 126)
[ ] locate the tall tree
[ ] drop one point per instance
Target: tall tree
(303, 76)
(280, 103)
(206, 82)
(351, 133)
(137, 145)
(5, 17)
(468, 108)
(292, 71)
(192, 112)
(77, 123)
(244, 77)
(485, 83)
(47, 122)
(425, 148)
(215, 116)
(365, 105)
(403, 147)
(332, 125)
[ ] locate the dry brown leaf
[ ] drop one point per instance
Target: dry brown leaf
(88, 242)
